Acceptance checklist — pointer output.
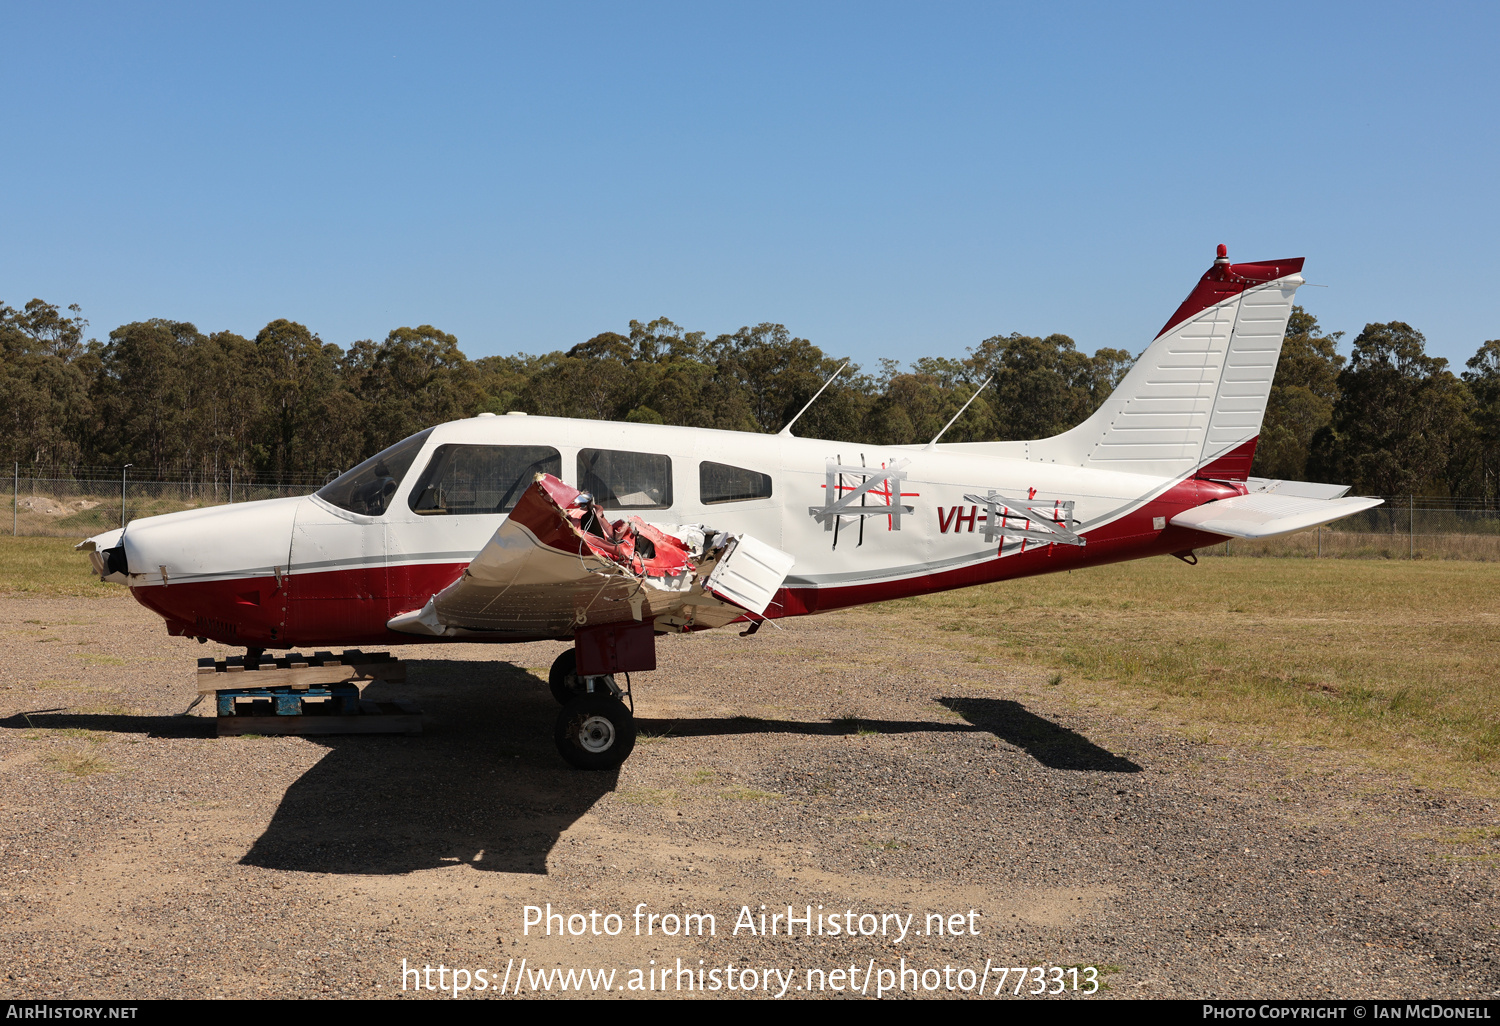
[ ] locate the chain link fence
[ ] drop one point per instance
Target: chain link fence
(75, 502)
(1404, 527)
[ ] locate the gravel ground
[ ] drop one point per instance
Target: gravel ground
(849, 761)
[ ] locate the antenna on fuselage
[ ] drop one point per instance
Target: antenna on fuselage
(960, 413)
(788, 429)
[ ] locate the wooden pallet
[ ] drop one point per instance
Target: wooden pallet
(298, 694)
(373, 718)
(299, 671)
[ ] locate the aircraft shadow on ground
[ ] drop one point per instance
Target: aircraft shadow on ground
(1051, 745)
(483, 783)
(1054, 746)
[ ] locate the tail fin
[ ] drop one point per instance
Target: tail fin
(1195, 398)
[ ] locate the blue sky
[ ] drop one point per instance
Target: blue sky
(886, 180)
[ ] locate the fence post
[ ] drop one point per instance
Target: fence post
(122, 493)
(1320, 541)
(231, 486)
(1411, 526)
(15, 502)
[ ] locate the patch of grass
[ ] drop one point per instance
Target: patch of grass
(646, 796)
(1103, 971)
(1389, 660)
(78, 763)
(103, 710)
(1368, 545)
(49, 566)
(701, 776)
(750, 794)
(1054, 680)
(1470, 835)
(76, 733)
(643, 738)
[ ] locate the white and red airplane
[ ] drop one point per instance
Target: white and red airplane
(498, 528)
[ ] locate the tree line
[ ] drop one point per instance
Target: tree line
(170, 399)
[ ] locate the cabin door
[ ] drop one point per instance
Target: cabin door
(338, 592)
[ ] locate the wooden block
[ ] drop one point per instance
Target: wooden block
(275, 677)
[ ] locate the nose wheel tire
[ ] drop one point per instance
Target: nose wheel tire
(563, 679)
(595, 732)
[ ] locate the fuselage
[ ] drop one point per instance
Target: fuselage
(308, 571)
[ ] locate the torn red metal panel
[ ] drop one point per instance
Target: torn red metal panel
(558, 565)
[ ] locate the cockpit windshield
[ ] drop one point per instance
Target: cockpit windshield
(368, 488)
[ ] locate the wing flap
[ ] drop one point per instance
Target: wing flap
(1268, 514)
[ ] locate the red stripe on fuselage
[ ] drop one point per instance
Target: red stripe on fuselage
(351, 607)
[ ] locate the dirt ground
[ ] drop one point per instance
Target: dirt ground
(848, 762)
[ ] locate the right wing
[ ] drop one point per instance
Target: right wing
(557, 563)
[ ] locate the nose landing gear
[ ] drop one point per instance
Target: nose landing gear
(596, 727)
(565, 682)
(595, 732)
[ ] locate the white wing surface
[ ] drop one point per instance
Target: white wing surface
(1268, 514)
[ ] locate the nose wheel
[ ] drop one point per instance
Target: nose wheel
(563, 679)
(595, 732)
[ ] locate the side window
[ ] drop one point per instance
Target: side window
(471, 479)
(367, 489)
(626, 480)
(719, 482)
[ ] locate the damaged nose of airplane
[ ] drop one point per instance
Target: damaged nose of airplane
(197, 545)
(198, 566)
(107, 556)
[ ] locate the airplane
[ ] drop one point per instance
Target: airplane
(500, 529)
